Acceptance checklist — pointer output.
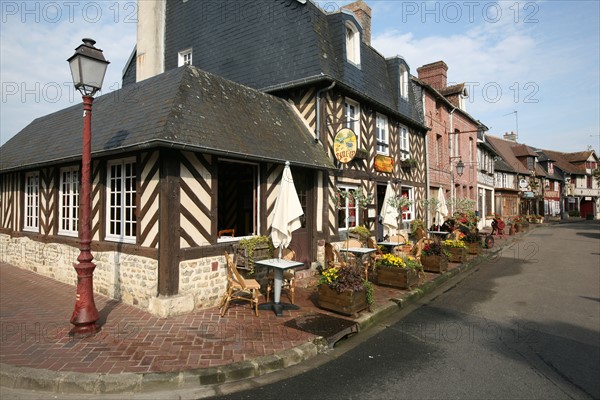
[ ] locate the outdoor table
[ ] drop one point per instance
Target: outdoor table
(358, 251)
(279, 265)
(390, 245)
(441, 234)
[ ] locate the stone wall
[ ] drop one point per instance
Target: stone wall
(205, 279)
(129, 278)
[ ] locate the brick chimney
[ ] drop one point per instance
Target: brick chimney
(363, 14)
(434, 74)
(510, 136)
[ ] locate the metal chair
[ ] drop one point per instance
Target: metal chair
(239, 288)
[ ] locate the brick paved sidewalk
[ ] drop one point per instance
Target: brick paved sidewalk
(34, 326)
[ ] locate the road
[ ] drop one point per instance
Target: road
(524, 325)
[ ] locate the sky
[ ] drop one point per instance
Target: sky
(532, 67)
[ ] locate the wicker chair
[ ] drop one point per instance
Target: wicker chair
(226, 232)
(289, 277)
(374, 256)
(239, 288)
(351, 258)
(332, 257)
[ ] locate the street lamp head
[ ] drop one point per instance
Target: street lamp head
(88, 67)
(460, 167)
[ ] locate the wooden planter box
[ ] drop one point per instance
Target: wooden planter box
(474, 248)
(402, 278)
(434, 263)
(261, 252)
(457, 254)
(347, 303)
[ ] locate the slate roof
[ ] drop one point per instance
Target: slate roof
(183, 108)
(274, 45)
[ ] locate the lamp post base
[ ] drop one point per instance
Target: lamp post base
(81, 331)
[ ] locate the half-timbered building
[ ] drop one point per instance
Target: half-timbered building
(322, 62)
(174, 161)
(182, 152)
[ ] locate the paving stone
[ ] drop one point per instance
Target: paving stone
(136, 351)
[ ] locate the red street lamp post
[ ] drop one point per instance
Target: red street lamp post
(88, 68)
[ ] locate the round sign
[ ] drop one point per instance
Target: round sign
(523, 184)
(344, 145)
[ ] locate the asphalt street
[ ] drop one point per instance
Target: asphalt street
(525, 325)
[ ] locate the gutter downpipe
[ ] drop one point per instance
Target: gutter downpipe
(427, 179)
(318, 111)
(452, 183)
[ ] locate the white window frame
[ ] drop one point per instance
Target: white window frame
(411, 208)
(122, 207)
(345, 205)
(68, 201)
(352, 121)
(185, 57)
(352, 44)
(31, 221)
(404, 142)
(403, 82)
(382, 135)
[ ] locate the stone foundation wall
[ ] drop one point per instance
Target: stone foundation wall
(205, 279)
(129, 278)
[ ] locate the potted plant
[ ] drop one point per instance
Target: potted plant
(362, 232)
(408, 163)
(398, 272)
(416, 224)
(361, 154)
(344, 290)
(253, 249)
(473, 242)
(456, 249)
(359, 197)
(518, 223)
(434, 258)
(400, 203)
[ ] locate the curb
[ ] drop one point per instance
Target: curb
(25, 378)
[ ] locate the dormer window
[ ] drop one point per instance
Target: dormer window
(550, 168)
(531, 163)
(403, 82)
(185, 57)
(352, 44)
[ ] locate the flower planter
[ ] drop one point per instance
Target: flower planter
(434, 263)
(402, 278)
(347, 303)
(473, 248)
(456, 254)
(245, 262)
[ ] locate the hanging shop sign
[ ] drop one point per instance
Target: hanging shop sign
(523, 184)
(345, 145)
(384, 164)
